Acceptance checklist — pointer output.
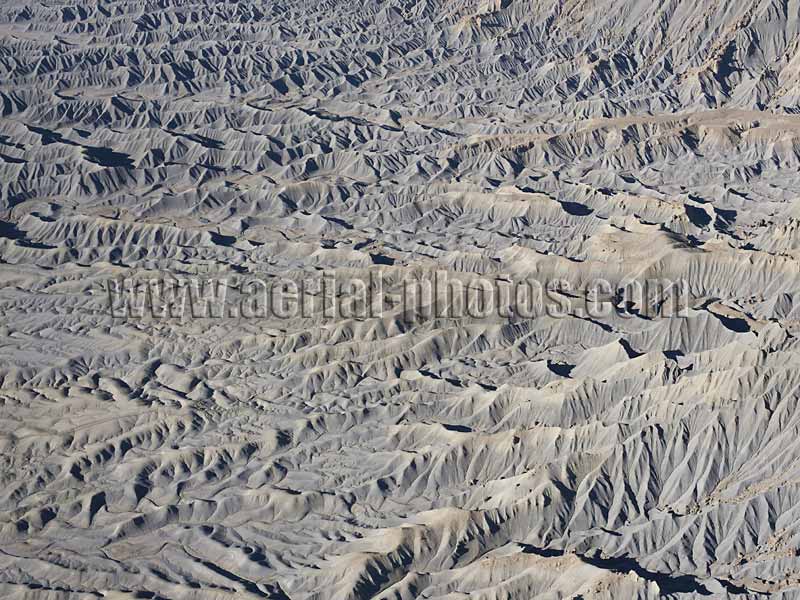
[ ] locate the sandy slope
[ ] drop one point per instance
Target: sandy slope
(398, 457)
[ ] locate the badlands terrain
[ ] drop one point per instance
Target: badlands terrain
(398, 455)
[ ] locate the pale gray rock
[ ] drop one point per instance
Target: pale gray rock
(392, 456)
